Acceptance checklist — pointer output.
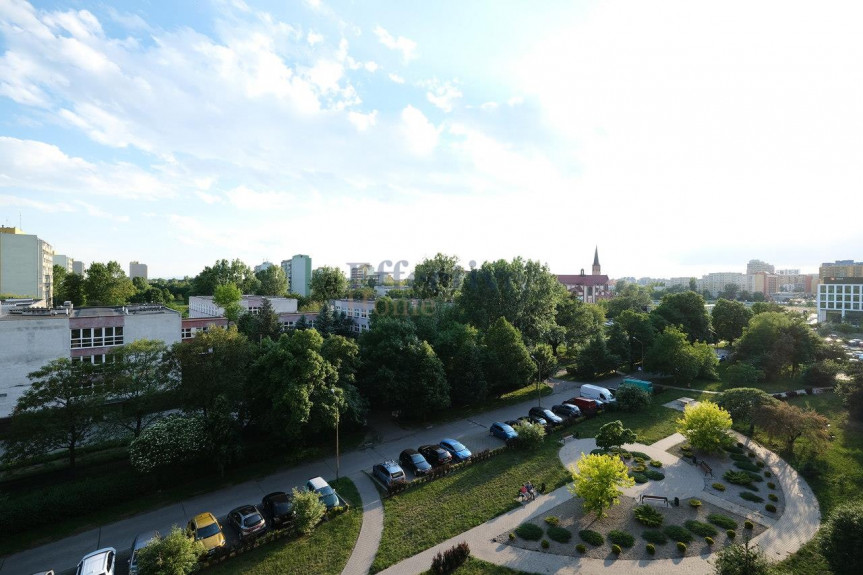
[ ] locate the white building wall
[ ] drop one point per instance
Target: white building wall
(27, 344)
(162, 325)
(203, 306)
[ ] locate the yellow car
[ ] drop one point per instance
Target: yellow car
(205, 528)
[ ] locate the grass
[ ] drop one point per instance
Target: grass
(433, 512)
(326, 551)
(475, 566)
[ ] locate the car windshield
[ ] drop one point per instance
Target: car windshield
(417, 458)
(252, 520)
(282, 507)
(327, 490)
(207, 531)
(506, 427)
(457, 446)
(398, 474)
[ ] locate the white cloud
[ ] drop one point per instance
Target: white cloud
(401, 44)
(314, 38)
(396, 78)
(443, 94)
(420, 134)
(40, 206)
(363, 121)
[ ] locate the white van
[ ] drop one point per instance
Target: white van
(599, 394)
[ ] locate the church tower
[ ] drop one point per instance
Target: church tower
(596, 268)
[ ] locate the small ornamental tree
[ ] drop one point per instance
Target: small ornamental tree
(598, 480)
(171, 441)
(789, 423)
(705, 426)
(632, 398)
(741, 559)
(309, 510)
(839, 539)
(530, 436)
(173, 554)
(613, 434)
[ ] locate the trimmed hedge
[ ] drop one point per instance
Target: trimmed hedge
(529, 531)
(722, 521)
(701, 529)
(655, 536)
(638, 477)
(622, 538)
(589, 536)
(751, 497)
(770, 507)
(654, 475)
(678, 533)
(559, 534)
(747, 466)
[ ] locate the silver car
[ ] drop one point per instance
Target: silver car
(140, 541)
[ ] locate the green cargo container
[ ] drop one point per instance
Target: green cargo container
(645, 385)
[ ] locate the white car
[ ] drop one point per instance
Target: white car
(99, 562)
(140, 541)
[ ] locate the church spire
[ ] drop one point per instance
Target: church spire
(596, 267)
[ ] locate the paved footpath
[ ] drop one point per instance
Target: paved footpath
(369, 539)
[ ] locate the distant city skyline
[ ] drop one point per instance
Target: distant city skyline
(680, 138)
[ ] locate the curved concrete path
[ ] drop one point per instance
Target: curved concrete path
(360, 561)
(797, 525)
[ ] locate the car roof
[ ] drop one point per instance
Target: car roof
(93, 563)
(277, 495)
(204, 518)
(318, 483)
(409, 451)
(432, 447)
(246, 510)
(390, 465)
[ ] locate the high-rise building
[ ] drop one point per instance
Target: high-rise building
(757, 266)
(65, 262)
(26, 265)
(137, 270)
(78, 268)
(361, 273)
(841, 269)
(298, 270)
(263, 266)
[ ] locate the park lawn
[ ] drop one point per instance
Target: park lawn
(326, 551)
(433, 512)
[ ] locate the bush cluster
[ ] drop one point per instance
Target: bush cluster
(651, 549)
(639, 477)
(751, 497)
(695, 502)
(654, 475)
(746, 466)
(648, 516)
(622, 538)
(655, 536)
(592, 537)
(655, 463)
(581, 548)
(678, 533)
(701, 529)
(529, 531)
(719, 486)
(770, 507)
(722, 521)
(552, 520)
(737, 477)
(451, 559)
(559, 534)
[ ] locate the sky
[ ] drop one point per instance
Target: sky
(677, 137)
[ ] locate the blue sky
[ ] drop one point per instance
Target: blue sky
(680, 138)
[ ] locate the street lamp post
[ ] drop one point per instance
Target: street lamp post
(538, 378)
(337, 432)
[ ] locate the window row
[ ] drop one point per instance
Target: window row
(96, 337)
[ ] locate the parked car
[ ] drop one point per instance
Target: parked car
(279, 506)
(140, 541)
(503, 431)
(588, 407)
(99, 562)
(328, 495)
(533, 420)
(566, 410)
(458, 451)
(389, 473)
(414, 460)
(597, 393)
(248, 521)
(435, 454)
(205, 528)
(546, 414)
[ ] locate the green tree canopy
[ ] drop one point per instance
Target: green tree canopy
(599, 480)
(224, 272)
(775, 342)
(328, 283)
(741, 559)
(173, 554)
(729, 318)
(272, 281)
(172, 441)
(107, 284)
(508, 365)
(627, 297)
(137, 377)
(839, 539)
(309, 510)
(744, 404)
(672, 355)
(788, 423)
(705, 425)
(438, 277)
(228, 297)
(58, 294)
(613, 434)
(594, 358)
(685, 310)
(264, 324)
(581, 321)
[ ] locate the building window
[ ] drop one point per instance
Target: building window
(186, 333)
(96, 337)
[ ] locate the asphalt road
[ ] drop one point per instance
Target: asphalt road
(63, 555)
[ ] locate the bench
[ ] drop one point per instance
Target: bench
(706, 468)
(565, 438)
(684, 401)
(656, 497)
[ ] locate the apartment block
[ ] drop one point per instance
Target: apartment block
(137, 270)
(26, 265)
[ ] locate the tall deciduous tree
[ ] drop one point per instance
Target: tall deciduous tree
(599, 480)
(594, 358)
(580, 320)
(672, 355)
(775, 342)
(73, 290)
(613, 434)
(705, 425)
(438, 277)
(729, 319)
(221, 273)
(228, 297)
(788, 423)
(138, 376)
(328, 283)
(107, 284)
(58, 293)
(264, 324)
(272, 281)
(744, 404)
(685, 310)
(508, 364)
(60, 410)
(627, 296)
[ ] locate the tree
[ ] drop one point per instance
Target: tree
(705, 425)
(580, 320)
(744, 404)
(774, 342)
(264, 324)
(741, 559)
(459, 347)
(138, 375)
(228, 296)
(546, 363)
(632, 398)
(822, 373)
(613, 434)
(685, 310)
(530, 435)
(672, 355)
(788, 423)
(639, 331)
(851, 392)
(309, 510)
(325, 321)
(224, 272)
(58, 293)
(594, 359)
(729, 319)
(328, 283)
(174, 554)
(598, 480)
(60, 410)
(729, 292)
(74, 291)
(438, 277)
(170, 442)
(839, 539)
(344, 355)
(743, 374)
(107, 284)
(508, 365)
(272, 281)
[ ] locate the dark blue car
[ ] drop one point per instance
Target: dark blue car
(458, 451)
(502, 431)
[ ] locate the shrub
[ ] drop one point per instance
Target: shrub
(731, 533)
(770, 507)
(648, 516)
(639, 468)
(511, 536)
(655, 463)
(552, 520)
(734, 448)
(743, 559)
(559, 534)
(695, 502)
(545, 544)
(642, 456)
(451, 559)
(751, 454)
(639, 477)
(708, 540)
(760, 464)
(746, 465)
(719, 486)
(701, 529)
(616, 549)
(748, 524)
(678, 533)
(651, 549)
(767, 474)
(309, 510)
(722, 521)
(581, 548)
(751, 497)
(681, 546)
(739, 444)
(739, 457)
(840, 536)
(772, 497)
(756, 478)
(529, 531)
(655, 536)
(771, 485)
(530, 436)
(639, 460)
(632, 398)
(178, 550)
(592, 537)
(737, 477)
(622, 538)
(654, 475)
